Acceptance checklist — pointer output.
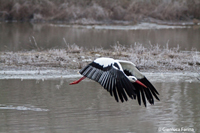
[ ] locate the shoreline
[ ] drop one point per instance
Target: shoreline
(62, 75)
(88, 22)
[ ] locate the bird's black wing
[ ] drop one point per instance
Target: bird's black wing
(145, 93)
(152, 89)
(112, 79)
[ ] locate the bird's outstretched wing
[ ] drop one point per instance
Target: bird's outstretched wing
(111, 78)
(143, 93)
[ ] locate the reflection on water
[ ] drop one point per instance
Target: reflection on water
(18, 36)
(87, 107)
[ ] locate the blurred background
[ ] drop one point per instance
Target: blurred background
(36, 67)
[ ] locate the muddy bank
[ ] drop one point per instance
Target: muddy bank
(101, 12)
(73, 57)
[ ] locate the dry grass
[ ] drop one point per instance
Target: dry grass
(152, 58)
(90, 11)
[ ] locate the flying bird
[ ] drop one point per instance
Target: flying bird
(121, 78)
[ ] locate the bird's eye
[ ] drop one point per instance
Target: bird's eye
(134, 79)
(116, 65)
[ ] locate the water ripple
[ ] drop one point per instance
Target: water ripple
(2, 106)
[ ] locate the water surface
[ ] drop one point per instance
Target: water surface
(19, 36)
(53, 106)
(42, 101)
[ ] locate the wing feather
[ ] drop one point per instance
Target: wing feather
(106, 80)
(115, 94)
(111, 78)
(109, 83)
(123, 92)
(105, 76)
(150, 87)
(148, 95)
(143, 98)
(138, 97)
(142, 93)
(119, 93)
(129, 91)
(113, 86)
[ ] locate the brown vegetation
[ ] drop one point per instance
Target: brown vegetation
(91, 11)
(74, 57)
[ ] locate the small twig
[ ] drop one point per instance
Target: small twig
(68, 47)
(35, 43)
(65, 41)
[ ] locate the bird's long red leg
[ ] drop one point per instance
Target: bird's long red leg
(77, 81)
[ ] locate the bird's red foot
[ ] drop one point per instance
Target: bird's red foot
(77, 81)
(74, 82)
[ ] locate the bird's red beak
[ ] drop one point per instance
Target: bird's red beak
(140, 83)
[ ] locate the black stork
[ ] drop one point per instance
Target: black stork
(120, 78)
